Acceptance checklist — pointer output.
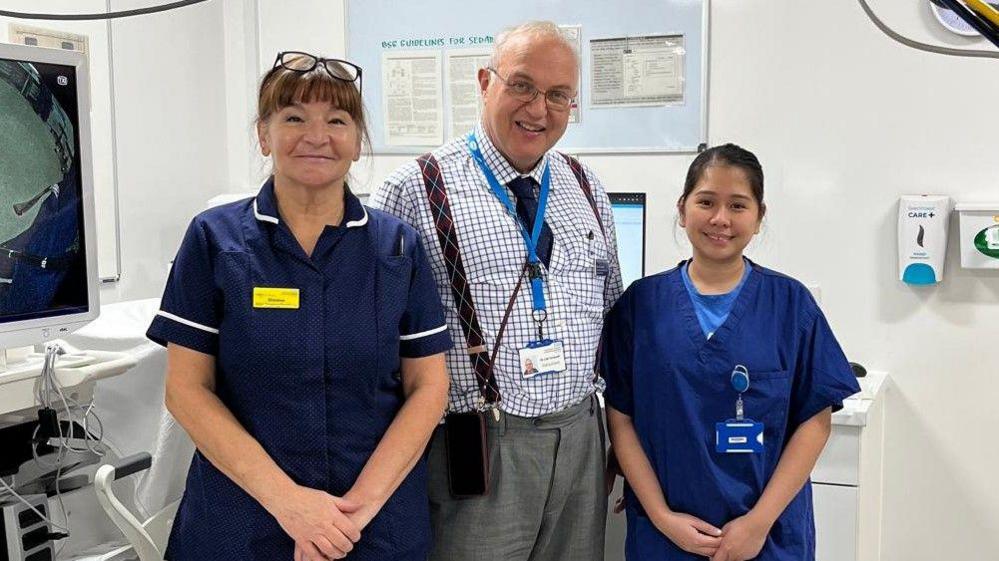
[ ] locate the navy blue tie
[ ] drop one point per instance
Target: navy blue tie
(527, 210)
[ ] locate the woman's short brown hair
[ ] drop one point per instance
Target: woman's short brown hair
(282, 87)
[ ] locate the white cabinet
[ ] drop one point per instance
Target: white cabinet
(835, 522)
(847, 480)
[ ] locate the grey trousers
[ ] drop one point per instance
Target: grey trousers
(546, 502)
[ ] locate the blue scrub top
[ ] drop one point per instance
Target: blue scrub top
(317, 386)
(674, 383)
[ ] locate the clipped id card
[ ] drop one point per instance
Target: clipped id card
(542, 357)
(739, 437)
(602, 267)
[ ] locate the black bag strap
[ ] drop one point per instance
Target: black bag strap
(584, 184)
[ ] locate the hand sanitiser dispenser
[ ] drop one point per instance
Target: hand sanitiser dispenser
(922, 237)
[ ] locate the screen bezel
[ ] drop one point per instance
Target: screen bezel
(633, 198)
(22, 332)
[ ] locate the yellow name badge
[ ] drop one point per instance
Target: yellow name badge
(277, 298)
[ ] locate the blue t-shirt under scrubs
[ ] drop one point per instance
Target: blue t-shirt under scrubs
(712, 309)
(307, 357)
(675, 384)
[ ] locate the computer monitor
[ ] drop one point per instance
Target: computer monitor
(629, 221)
(48, 250)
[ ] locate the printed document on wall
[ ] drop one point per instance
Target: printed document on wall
(637, 71)
(574, 33)
(463, 88)
(412, 98)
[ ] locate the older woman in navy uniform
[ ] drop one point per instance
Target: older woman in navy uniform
(305, 349)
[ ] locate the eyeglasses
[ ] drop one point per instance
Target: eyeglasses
(525, 92)
(298, 61)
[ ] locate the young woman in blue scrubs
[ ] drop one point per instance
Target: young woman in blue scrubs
(722, 376)
(306, 346)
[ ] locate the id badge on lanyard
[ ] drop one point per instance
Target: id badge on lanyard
(740, 435)
(542, 355)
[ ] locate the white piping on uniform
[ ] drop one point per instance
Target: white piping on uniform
(434, 331)
(187, 322)
(272, 220)
(360, 222)
(6, 281)
(263, 217)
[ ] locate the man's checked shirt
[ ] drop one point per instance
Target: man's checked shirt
(493, 251)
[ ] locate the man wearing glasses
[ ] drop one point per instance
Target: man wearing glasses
(521, 242)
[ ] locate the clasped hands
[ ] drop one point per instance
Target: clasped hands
(323, 526)
(738, 540)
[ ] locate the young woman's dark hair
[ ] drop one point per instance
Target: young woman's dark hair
(726, 155)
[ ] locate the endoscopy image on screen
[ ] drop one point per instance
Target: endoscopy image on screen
(42, 262)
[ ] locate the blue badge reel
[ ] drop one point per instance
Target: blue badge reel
(740, 435)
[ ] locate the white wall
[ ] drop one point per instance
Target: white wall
(170, 100)
(844, 121)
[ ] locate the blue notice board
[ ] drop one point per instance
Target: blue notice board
(379, 27)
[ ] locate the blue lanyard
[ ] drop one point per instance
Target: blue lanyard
(530, 239)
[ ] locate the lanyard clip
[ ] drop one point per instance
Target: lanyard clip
(534, 271)
(540, 317)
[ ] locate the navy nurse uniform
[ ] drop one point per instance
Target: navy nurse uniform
(675, 384)
(318, 384)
